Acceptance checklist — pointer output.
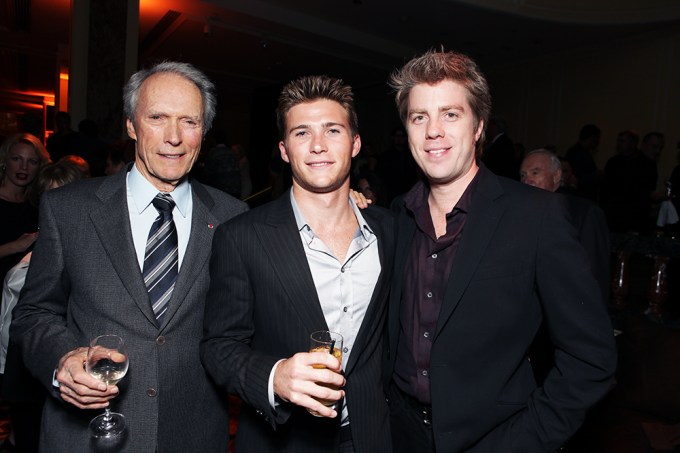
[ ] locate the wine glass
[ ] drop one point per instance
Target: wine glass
(107, 360)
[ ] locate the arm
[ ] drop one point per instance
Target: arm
(19, 245)
(579, 327)
(39, 323)
(229, 328)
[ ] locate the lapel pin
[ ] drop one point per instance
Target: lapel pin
(210, 225)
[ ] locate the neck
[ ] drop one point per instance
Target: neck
(443, 197)
(11, 192)
(323, 209)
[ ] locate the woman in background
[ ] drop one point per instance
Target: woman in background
(21, 158)
(24, 394)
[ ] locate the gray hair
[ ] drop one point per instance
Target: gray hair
(186, 70)
(555, 163)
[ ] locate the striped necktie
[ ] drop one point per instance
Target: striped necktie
(161, 258)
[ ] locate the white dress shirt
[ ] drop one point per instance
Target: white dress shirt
(14, 281)
(344, 287)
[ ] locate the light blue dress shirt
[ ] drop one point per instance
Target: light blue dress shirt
(140, 194)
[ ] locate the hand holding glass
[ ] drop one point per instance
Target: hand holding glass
(107, 360)
(330, 343)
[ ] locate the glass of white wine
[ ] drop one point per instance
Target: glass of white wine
(107, 360)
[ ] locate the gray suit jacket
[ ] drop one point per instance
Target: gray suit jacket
(262, 306)
(84, 281)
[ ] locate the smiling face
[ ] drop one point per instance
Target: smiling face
(21, 165)
(168, 129)
(319, 146)
(441, 131)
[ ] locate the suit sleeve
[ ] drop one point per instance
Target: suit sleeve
(39, 319)
(229, 327)
(581, 332)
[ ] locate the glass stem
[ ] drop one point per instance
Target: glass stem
(107, 415)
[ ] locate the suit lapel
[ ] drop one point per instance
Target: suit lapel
(375, 310)
(485, 214)
(111, 220)
(203, 224)
(406, 228)
(281, 241)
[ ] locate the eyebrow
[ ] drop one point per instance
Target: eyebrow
(324, 125)
(182, 116)
(443, 108)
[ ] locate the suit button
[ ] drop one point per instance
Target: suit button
(151, 392)
(160, 341)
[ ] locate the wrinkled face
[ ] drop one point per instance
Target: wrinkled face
(441, 131)
(168, 129)
(22, 165)
(319, 146)
(536, 171)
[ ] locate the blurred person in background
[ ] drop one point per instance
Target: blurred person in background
(21, 157)
(24, 394)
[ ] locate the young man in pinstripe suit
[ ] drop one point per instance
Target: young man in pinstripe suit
(308, 261)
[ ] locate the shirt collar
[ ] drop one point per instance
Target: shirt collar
(416, 198)
(143, 192)
(302, 225)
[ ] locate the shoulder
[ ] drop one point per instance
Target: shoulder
(377, 214)
(80, 191)
(275, 212)
(223, 204)
(516, 192)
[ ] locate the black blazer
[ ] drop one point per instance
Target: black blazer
(518, 263)
(262, 306)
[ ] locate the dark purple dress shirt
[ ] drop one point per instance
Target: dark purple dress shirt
(426, 277)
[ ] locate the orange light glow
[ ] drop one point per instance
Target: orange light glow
(63, 76)
(47, 98)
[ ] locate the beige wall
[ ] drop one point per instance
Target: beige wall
(630, 84)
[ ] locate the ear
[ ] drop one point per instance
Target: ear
(130, 129)
(284, 152)
(478, 132)
(356, 146)
(557, 178)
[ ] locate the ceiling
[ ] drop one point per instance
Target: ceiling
(246, 44)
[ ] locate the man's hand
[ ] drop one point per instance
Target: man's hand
(361, 201)
(77, 387)
(298, 382)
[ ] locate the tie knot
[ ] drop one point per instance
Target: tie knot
(163, 202)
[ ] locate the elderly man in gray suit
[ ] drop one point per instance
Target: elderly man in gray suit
(89, 276)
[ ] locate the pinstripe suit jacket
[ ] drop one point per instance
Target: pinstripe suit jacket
(261, 307)
(84, 281)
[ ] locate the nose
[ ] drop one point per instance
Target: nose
(434, 128)
(318, 144)
(173, 133)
